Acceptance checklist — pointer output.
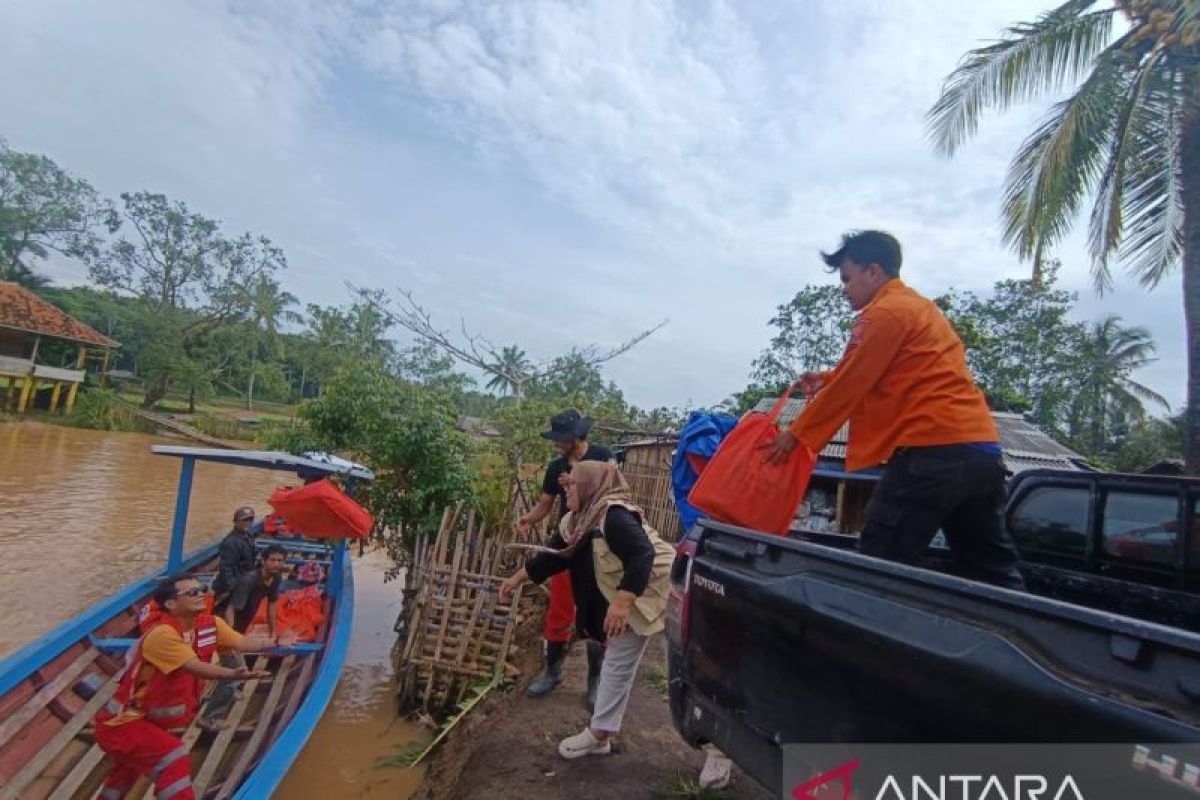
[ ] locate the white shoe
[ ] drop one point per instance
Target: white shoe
(717, 767)
(584, 744)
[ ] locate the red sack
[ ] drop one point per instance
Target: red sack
(739, 488)
(321, 509)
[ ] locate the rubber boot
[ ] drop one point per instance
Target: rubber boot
(556, 653)
(595, 657)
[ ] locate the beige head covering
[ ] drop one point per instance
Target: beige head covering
(600, 486)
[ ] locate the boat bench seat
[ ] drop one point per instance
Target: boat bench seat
(121, 646)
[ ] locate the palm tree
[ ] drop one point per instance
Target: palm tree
(509, 372)
(268, 306)
(1129, 137)
(1106, 395)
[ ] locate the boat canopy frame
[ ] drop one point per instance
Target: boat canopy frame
(307, 465)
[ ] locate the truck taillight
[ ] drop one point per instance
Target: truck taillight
(678, 606)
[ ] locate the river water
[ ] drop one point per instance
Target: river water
(82, 513)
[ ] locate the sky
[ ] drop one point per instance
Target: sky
(553, 174)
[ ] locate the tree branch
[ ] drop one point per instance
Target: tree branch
(478, 351)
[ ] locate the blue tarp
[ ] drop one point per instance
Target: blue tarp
(700, 436)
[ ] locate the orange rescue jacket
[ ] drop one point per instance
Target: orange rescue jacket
(902, 382)
(168, 701)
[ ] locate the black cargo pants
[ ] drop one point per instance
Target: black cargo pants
(957, 488)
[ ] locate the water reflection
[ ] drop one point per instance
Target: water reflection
(83, 513)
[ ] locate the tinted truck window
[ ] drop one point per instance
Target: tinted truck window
(1052, 519)
(1141, 527)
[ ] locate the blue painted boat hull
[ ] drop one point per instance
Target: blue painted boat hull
(28, 676)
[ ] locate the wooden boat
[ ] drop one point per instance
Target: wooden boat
(51, 689)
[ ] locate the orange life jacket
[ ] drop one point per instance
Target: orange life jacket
(167, 700)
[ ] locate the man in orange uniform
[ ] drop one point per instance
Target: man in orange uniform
(904, 385)
(159, 691)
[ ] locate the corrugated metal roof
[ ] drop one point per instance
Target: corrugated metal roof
(1025, 446)
(23, 310)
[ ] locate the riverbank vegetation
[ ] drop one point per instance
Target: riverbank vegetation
(210, 331)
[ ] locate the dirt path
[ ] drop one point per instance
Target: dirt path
(508, 751)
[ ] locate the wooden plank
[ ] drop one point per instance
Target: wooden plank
(250, 749)
(78, 775)
(450, 591)
(502, 657)
(216, 750)
(51, 750)
(22, 716)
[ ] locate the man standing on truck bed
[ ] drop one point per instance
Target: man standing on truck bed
(904, 385)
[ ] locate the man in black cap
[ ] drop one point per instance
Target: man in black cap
(237, 567)
(569, 432)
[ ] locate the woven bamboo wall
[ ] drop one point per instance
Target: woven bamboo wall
(647, 468)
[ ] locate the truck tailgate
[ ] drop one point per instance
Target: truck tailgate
(795, 642)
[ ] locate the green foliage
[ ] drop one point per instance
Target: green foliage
(222, 428)
(1148, 441)
(1125, 137)
(510, 367)
(102, 409)
(44, 209)
(1106, 399)
(682, 786)
(811, 333)
(191, 280)
(656, 676)
(1022, 346)
(404, 432)
(424, 364)
(1026, 353)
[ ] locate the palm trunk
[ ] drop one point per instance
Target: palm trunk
(1190, 177)
(250, 387)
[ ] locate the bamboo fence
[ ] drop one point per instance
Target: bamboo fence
(457, 633)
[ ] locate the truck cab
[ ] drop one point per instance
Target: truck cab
(1125, 543)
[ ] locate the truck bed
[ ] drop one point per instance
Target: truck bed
(776, 641)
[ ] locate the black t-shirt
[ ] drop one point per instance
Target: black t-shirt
(242, 617)
(557, 466)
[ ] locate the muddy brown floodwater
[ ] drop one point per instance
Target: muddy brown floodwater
(82, 513)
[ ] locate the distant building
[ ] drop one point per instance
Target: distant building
(27, 324)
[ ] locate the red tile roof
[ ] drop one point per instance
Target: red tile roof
(25, 311)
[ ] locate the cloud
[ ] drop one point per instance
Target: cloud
(558, 173)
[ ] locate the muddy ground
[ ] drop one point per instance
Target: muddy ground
(507, 749)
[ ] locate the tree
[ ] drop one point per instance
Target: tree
(478, 351)
(404, 432)
(811, 333)
(43, 209)
(189, 277)
(269, 306)
(1021, 345)
(1107, 396)
(1128, 137)
(512, 362)
(1148, 441)
(425, 365)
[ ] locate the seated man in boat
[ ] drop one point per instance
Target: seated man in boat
(159, 691)
(269, 579)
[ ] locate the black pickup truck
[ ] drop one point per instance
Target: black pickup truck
(775, 640)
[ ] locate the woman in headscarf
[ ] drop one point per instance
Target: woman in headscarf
(620, 575)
